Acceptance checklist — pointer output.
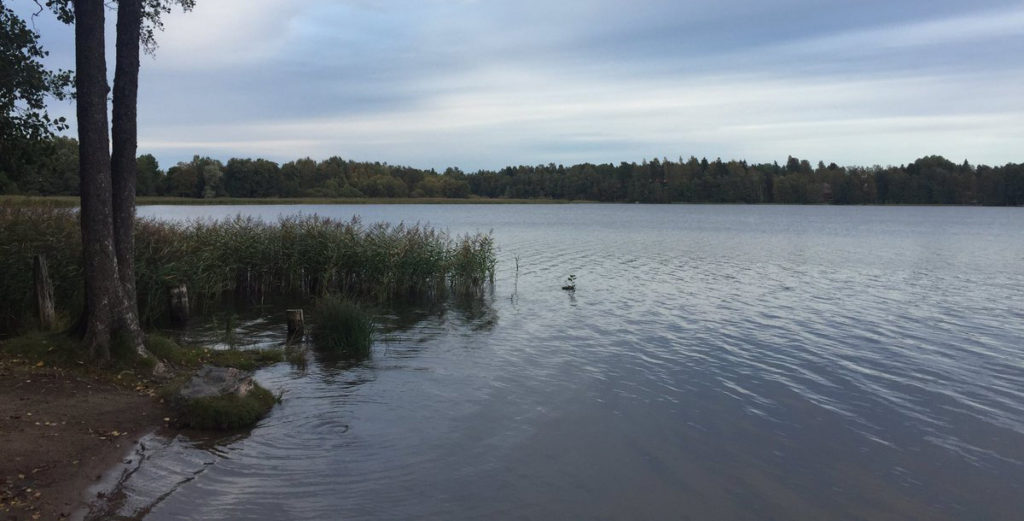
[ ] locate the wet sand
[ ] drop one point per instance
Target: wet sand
(59, 434)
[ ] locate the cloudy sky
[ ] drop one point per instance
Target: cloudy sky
(489, 83)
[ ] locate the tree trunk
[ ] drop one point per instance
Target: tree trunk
(101, 273)
(123, 167)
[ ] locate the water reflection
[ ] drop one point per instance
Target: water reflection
(318, 406)
(715, 363)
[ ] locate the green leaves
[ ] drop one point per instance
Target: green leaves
(25, 86)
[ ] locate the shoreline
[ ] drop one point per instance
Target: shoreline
(61, 435)
(71, 432)
(70, 201)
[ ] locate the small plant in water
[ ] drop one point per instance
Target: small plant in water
(342, 329)
(570, 283)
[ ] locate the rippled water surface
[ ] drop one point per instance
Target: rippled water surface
(715, 362)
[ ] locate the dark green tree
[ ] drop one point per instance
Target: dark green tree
(149, 175)
(25, 86)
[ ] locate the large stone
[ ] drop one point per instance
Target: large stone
(217, 381)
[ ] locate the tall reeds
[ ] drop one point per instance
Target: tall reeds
(342, 329)
(26, 231)
(245, 258)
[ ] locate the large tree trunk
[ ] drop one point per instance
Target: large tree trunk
(122, 161)
(101, 273)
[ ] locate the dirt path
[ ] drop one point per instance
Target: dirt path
(59, 433)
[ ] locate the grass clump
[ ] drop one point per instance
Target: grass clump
(226, 412)
(342, 329)
(192, 357)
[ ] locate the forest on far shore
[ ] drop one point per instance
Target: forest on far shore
(51, 168)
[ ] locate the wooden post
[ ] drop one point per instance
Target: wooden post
(296, 324)
(179, 304)
(44, 293)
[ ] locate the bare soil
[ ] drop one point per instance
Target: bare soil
(59, 432)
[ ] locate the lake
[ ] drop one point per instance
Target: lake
(715, 362)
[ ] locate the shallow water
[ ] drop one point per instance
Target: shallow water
(715, 362)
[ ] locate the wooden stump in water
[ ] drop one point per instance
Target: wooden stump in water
(179, 304)
(296, 324)
(44, 293)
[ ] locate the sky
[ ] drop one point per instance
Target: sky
(483, 84)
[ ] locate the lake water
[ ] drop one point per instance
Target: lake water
(715, 362)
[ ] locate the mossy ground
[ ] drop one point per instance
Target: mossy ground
(193, 357)
(226, 412)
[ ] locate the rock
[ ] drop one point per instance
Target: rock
(213, 381)
(222, 398)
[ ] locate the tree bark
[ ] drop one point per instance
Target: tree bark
(124, 131)
(101, 272)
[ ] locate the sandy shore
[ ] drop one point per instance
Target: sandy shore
(59, 433)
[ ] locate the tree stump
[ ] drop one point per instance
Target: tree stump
(296, 324)
(44, 293)
(179, 304)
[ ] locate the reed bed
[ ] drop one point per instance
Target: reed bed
(26, 231)
(246, 258)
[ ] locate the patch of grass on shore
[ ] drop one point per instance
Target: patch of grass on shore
(44, 350)
(225, 412)
(47, 354)
(193, 357)
(62, 352)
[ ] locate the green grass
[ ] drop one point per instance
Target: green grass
(61, 353)
(193, 357)
(225, 412)
(342, 329)
(306, 256)
(44, 349)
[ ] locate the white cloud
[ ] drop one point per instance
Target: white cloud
(501, 116)
(226, 32)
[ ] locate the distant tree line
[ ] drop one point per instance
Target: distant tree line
(928, 180)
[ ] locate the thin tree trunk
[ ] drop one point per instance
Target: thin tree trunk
(123, 167)
(101, 273)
